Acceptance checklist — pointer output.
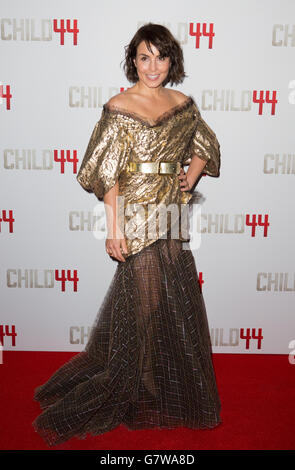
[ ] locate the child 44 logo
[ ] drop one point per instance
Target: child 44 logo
(251, 335)
(65, 27)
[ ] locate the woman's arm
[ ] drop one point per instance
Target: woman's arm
(189, 178)
(115, 239)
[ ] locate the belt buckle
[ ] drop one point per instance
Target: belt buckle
(169, 167)
(131, 166)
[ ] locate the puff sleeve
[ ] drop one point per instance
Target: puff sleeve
(205, 145)
(106, 156)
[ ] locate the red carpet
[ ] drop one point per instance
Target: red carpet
(257, 395)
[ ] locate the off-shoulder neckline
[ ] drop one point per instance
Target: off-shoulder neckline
(164, 117)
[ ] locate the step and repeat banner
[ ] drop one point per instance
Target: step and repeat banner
(60, 62)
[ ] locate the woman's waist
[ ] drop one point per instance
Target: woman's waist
(162, 167)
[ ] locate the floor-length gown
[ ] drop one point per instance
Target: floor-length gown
(147, 362)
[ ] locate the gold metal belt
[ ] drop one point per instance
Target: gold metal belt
(155, 167)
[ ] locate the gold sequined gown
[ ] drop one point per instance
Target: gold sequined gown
(147, 362)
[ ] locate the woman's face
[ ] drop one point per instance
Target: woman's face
(151, 68)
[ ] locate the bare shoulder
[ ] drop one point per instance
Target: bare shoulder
(178, 96)
(120, 100)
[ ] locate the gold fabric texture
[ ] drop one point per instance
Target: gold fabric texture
(120, 137)
(147, 362)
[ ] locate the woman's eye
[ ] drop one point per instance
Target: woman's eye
(161, 58)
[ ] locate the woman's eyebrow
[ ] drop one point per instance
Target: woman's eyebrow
(145, 54)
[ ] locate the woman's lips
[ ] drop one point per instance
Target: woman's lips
(153, 77)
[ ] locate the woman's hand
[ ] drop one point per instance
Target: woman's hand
(116, 246)
(185, 184)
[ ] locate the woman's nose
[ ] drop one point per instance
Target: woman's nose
(153, 66)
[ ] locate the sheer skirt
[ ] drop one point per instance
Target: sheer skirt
(147, 362)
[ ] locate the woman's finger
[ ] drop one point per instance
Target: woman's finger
(124, 246)
(118, 254)
(184, 185)
(114, 250)
(184, 182)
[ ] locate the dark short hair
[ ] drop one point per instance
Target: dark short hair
(166, 44)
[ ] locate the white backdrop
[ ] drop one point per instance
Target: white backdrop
(56, 96)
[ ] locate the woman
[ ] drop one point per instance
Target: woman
(147, 363)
